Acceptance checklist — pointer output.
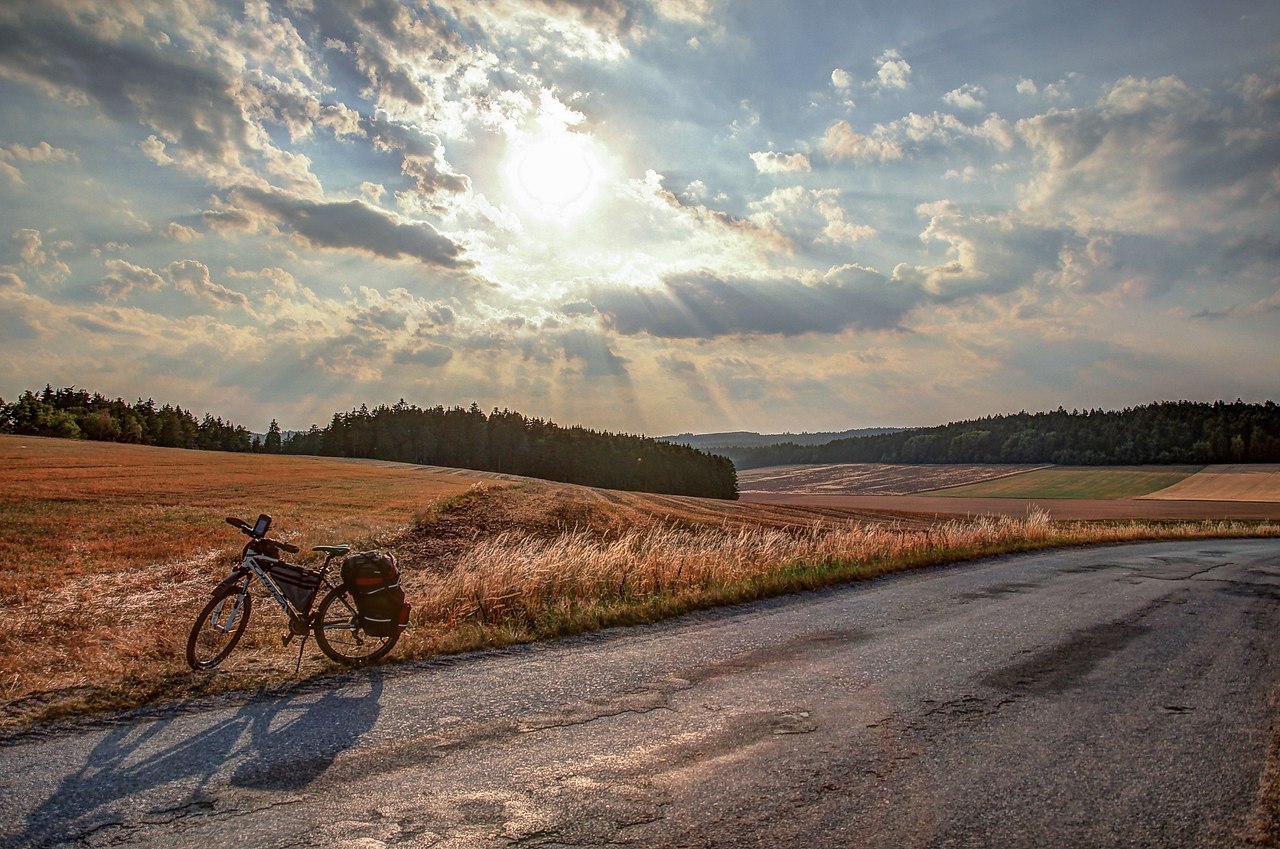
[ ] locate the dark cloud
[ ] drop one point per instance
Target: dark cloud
(354, 225)
(423, 157)
(428, 354)
(157, 84)
(705, 305)
(593, 352)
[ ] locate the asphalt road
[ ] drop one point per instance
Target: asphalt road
(1114, 696)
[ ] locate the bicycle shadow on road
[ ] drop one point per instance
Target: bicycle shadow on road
(136, 771)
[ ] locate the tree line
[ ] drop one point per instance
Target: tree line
(502, 441)
(73, 413)
(506, 441)
(1169, 432)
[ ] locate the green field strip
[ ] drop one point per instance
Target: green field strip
(1075, 482)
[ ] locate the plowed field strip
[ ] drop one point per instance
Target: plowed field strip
(924, 507)
(871, 478)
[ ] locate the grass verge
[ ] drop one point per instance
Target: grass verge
(511, 589)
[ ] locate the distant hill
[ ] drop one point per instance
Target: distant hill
(1163, 433)
(726, 442)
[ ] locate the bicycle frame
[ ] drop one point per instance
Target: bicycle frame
(256, 564)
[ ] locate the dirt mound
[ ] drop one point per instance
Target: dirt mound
(545, 509)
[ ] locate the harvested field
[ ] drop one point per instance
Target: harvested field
(1091, 482)
(1254, 482)
(932, 507)
(71, 508)
(870, 478)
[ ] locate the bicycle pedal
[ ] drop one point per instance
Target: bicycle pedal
(286, 639)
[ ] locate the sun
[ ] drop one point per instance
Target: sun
(557, 175)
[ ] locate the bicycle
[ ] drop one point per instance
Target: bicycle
(336, 622)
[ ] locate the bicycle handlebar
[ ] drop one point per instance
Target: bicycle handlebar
(245, 527)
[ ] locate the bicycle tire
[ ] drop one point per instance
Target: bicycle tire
(340, 635)
(208, 644)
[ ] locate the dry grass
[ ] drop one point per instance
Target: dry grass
(516, 588)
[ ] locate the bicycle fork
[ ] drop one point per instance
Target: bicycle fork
(224, 618)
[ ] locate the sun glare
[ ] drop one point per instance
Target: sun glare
(555, 175)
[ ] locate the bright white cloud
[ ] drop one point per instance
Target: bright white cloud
(967, 96)
(841, 141)
(772, 162)
(892, 71)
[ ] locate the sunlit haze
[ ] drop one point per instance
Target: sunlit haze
(650, 217)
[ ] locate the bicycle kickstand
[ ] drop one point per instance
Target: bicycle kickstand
(301, 644)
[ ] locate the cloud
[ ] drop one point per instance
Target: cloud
(842, 142)
(707, 221)
(705, 305)
(127, 77)
(343, 225)
(986, 254)
(967, 96)
(771, 162)
(892, 71)
(192, 276)
(125, 277)
(1155, 156)
(423, 160)
(941, 128)
(1057, 91)
(423, 353)
(805, 211)
(592, 352)
(38, 153)
(179, 232)
(37, 259)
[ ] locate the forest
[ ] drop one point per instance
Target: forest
(73, 413)
(505, 441)
(502, 441)
(1170, 432)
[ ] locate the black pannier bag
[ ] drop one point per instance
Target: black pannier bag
(298, 584)
(374, 583)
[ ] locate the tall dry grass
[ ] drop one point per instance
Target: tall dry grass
(514, 588)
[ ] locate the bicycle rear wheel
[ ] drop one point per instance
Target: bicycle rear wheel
(341, 635)
(218, 628)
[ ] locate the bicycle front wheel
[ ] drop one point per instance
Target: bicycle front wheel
(341, 635)
(218, 628)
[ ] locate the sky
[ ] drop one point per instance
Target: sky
(642, 216)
